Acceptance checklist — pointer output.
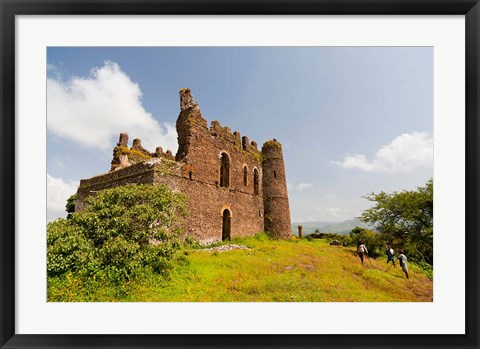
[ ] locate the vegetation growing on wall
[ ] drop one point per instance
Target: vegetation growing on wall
(131, 153)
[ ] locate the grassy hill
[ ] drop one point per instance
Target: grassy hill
(270, 271)
(344, 227)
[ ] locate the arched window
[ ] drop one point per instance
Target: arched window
(190, 174)
(245, 175)
(274, 174)
(255, 182)
(224, 171)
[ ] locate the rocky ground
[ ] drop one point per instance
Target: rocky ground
(224, 248)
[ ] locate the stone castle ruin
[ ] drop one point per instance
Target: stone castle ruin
(232, 188)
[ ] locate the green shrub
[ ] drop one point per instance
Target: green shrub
(121, 233)
(424, 268)
(374, 241)
(67, 247)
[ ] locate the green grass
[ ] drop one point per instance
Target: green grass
(272, 271)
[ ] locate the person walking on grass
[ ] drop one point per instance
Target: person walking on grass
(362, 250)
(390, 255)
(403, 263)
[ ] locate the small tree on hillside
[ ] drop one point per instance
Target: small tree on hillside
(405, 219)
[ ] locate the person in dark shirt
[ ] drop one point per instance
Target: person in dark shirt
(390, 255)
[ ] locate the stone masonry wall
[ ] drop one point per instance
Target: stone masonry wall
(201, 149)
(141, 173)
(206, 203)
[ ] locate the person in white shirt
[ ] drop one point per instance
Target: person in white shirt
(403, 263)
(362, 250)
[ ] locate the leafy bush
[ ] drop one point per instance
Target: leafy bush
(67, 247)
(122, 232)
(424, 268)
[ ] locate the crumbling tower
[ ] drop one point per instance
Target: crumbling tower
(275, 195)
(189, 123)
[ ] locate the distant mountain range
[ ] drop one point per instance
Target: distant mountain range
(343, 228)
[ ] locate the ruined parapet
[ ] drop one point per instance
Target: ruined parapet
(158, 152)
(137, 145)
(189, 122)
(123, 140)
(215, 127)
(245, 142)
(236, 134)
(275, 195)
(124, 157)
(186, 99)
(224, 132)
(120, 160)
(249, 146)
(169, 155)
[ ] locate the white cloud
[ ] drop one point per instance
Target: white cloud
(300, 186)
(303, 185)
(404, 154)
(58, 191)
(94, 110)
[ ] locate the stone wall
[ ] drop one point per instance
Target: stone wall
(201, 149)
(206, 203)
(140, 173)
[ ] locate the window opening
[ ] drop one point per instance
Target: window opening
(224, 171)
(245, 175)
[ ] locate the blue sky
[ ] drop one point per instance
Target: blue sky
(352, 120)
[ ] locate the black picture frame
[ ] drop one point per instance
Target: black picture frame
(11, 8)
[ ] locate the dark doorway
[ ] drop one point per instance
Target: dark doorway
(227, 217)
(224, 171)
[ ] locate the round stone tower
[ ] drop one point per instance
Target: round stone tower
(275, 195)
